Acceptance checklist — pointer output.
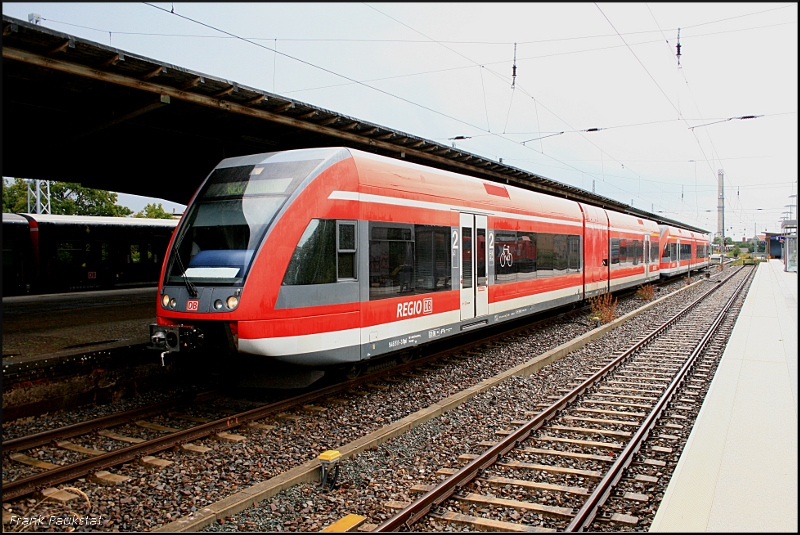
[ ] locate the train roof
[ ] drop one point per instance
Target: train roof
(631, 222)
(669, 230)
(438, 185)
(382, 172)
(14, 219)
(100, 220)
(426, 185)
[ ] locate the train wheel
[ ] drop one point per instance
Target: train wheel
(354, 371)
(407, 356)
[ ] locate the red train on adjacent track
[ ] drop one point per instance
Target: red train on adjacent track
(332, 256)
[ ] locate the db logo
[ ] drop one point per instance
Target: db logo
(192, 305)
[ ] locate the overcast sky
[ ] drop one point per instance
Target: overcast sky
(599, 100)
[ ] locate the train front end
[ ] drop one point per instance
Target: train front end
(221, 244)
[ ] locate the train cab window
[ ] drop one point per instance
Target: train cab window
(228, 220)
(314, 258)
(346, 250)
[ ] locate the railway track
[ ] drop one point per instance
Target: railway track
(581, 446)
(95, 460)
(178, 438)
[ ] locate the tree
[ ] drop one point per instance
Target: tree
(15, 197)
(154, 211)
(66, 198)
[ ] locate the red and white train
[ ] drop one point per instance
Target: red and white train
(682, 251)
(333, 255)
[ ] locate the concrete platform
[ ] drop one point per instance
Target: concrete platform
(51, 326)
(738, 472)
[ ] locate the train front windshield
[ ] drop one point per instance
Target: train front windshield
(228, 220)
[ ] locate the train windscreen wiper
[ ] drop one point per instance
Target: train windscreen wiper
(189, 285)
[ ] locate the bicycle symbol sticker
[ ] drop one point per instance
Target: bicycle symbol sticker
(506, 258)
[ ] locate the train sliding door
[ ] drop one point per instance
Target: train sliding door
(470, 247)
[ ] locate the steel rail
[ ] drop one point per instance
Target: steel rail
(21, 487)
(111, 420)
(446, 488)
(24, 486)
(602, 491)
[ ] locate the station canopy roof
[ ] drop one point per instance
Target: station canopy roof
(79, 111)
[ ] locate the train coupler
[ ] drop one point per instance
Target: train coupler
(173, 338)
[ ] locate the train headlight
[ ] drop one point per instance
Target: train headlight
(165, 301)
(218, 304)
(172, 303)
(232, 302)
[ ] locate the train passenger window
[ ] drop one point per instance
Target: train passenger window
(560, 253)
(615, 251)
(69, 252)
(432, 263)
(686, 251)
(635, 251)
(525, 258)
(670, 252)
(314, 258)
(506, 256)
(654, 248)
(521, 256)
(391, 260)
(545, 255)
(573, 253)
(346, 250)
